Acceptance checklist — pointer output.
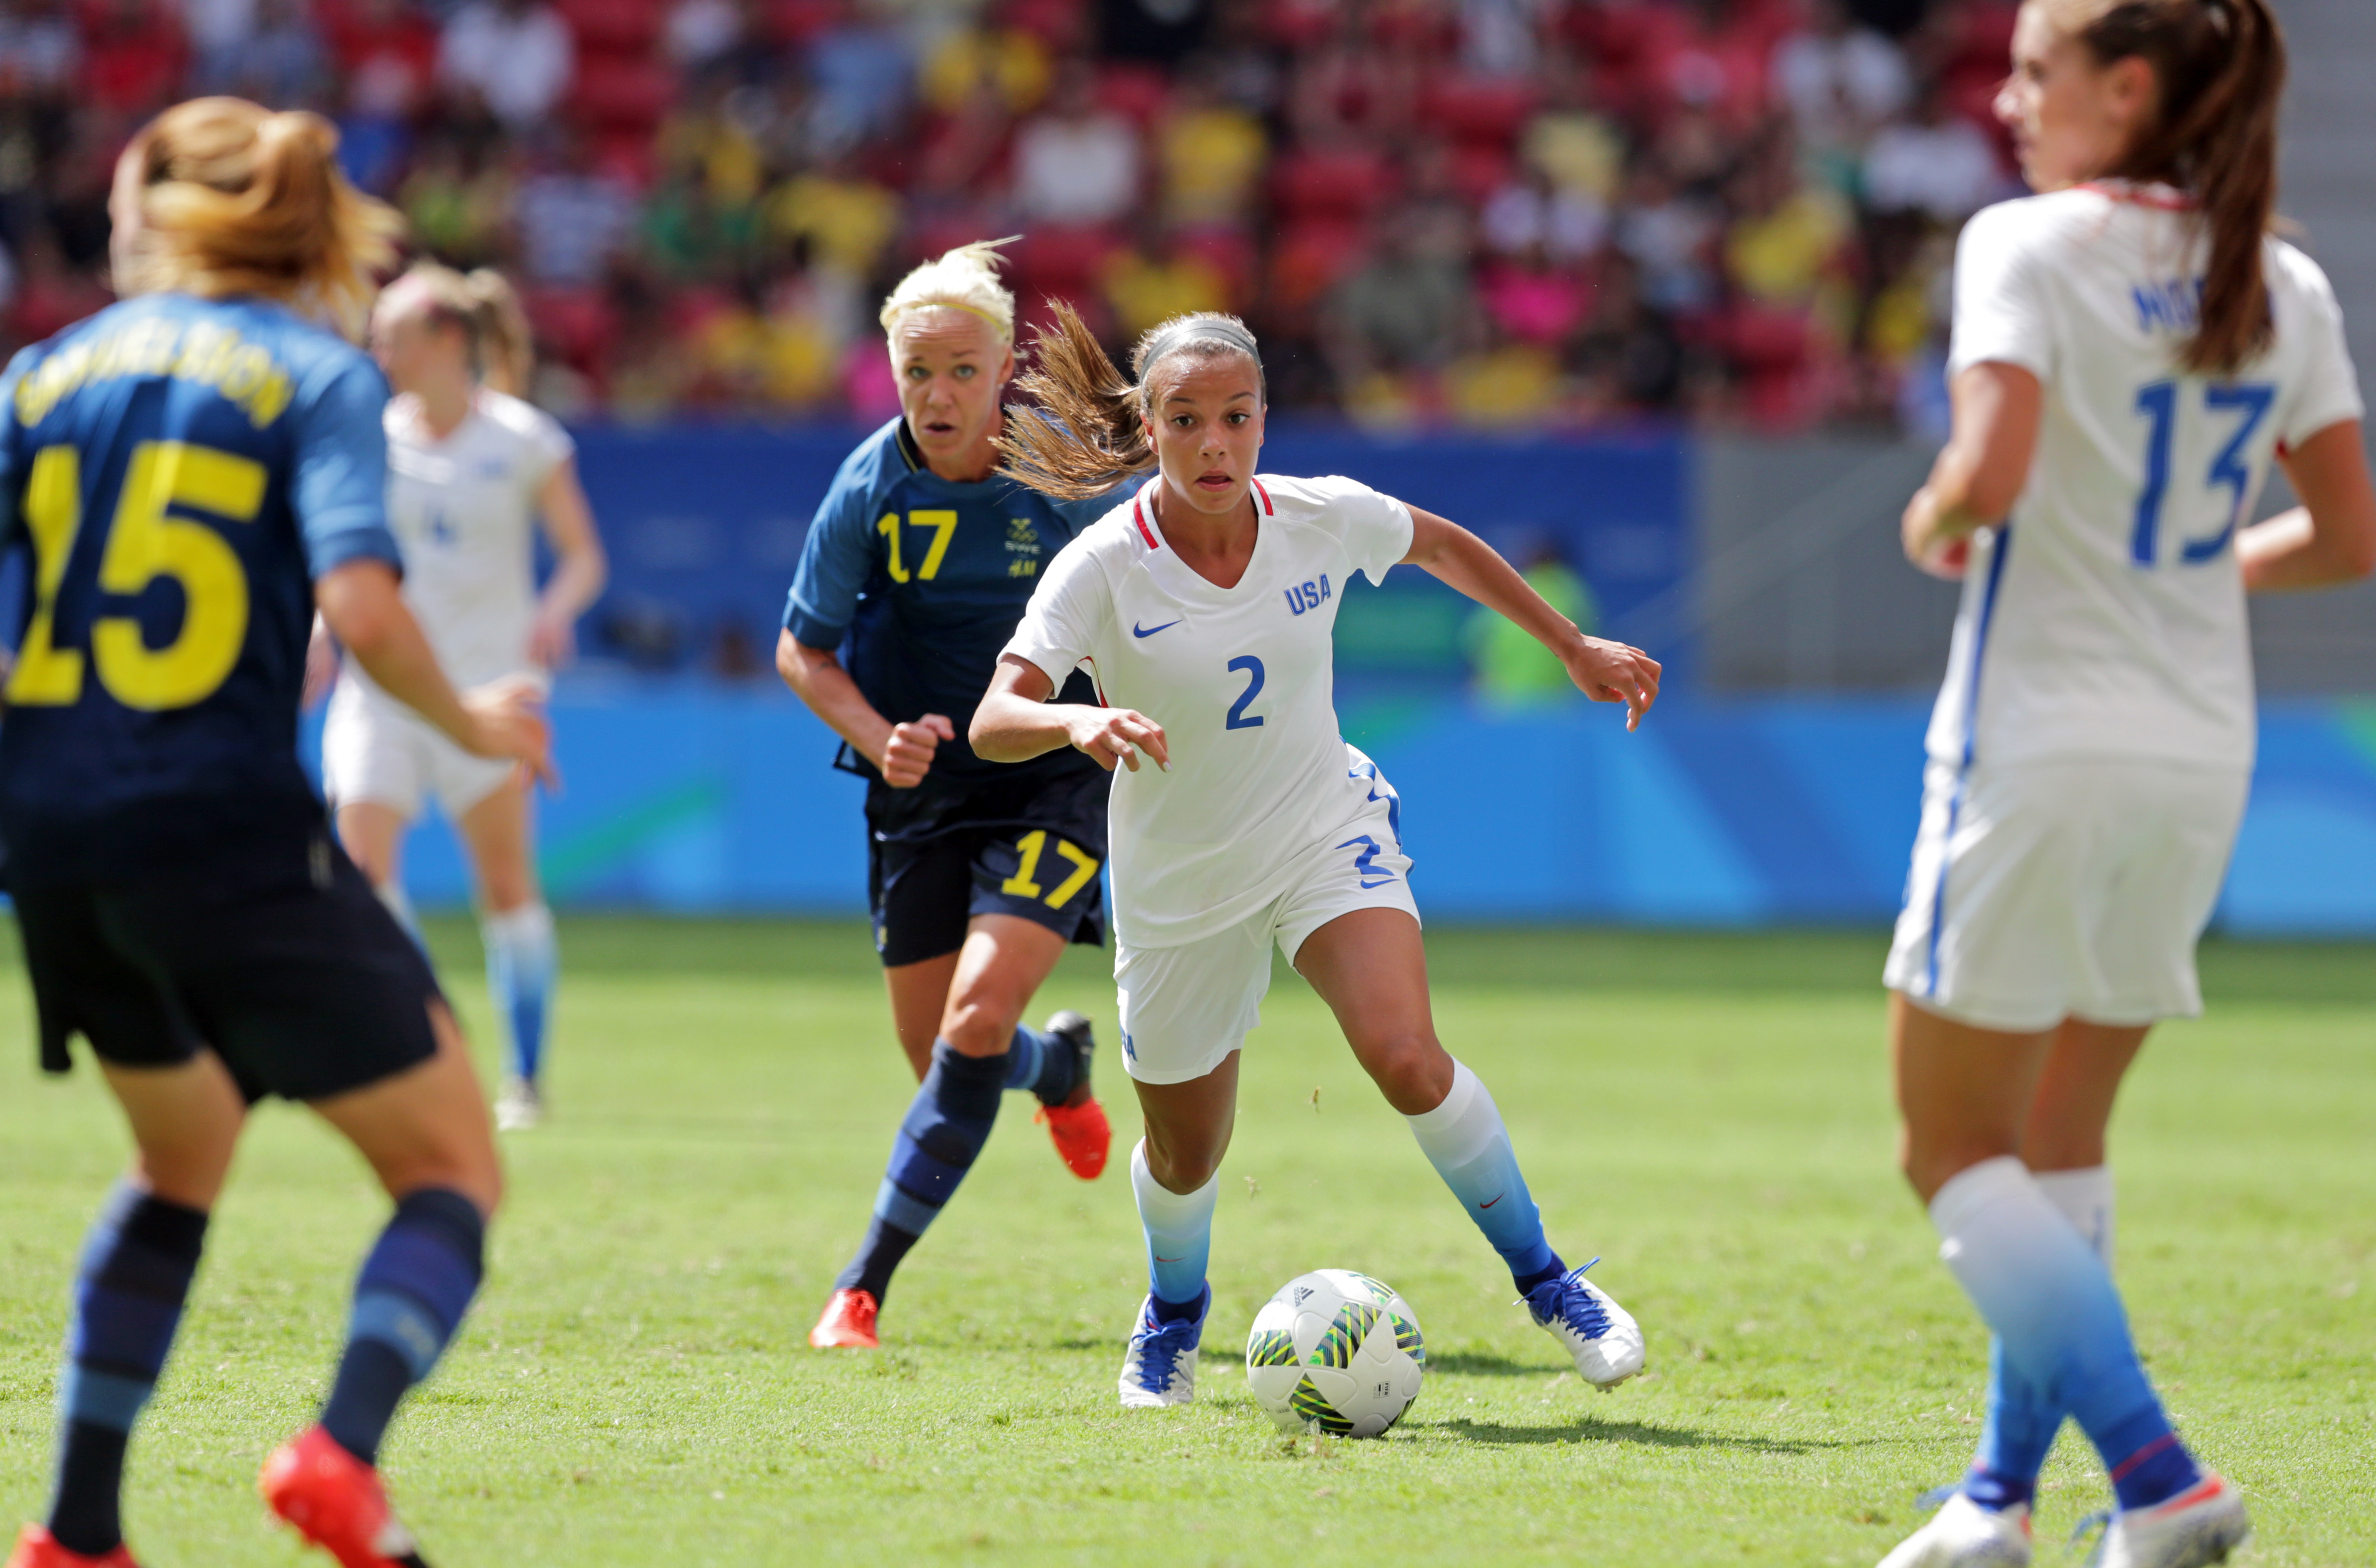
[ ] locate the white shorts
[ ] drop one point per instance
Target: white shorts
(1185, 1008)
(2063, 889)
(375, 749)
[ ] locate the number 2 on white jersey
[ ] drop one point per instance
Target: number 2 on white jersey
(2158, 402)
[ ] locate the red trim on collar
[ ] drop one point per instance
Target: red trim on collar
(1139, 517)
(1267, 510)
(2160, 198)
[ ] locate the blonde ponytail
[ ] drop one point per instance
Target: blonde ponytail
(506, 345)
(237, 199)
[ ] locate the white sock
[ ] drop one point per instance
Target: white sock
(1179, 1230)
(2086, 1198)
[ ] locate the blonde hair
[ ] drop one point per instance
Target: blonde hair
(483, 306)
(1090, 433)
(237, 199)
(965, 279)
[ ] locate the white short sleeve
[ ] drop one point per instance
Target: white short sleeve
(550, 445)
(2001, 305)
(2328, 392)
(1377, 528)
(1068, 609)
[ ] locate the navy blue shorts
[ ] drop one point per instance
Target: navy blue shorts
(284, 963)
(1030, 846)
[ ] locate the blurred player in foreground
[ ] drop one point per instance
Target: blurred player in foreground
(472, 469)
(916, 569)
(1205, 604)
(196, 469)
(2132, 352)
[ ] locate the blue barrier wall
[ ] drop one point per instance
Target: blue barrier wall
(696, 797)
(704, 525)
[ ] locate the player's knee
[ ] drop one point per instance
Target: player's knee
(1183, 1166)
(1410, 1068)
(980, 1020)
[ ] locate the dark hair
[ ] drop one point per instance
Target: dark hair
(2221, 65)
(1089, 430)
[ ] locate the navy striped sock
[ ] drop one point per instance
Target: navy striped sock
(410, 1299)
(136, 1269)
(945, 1126)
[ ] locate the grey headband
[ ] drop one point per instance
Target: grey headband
(1210, 328)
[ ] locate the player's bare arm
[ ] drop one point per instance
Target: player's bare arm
(580, 569)
(1017, 722)
(2330, 537)
(901, 753)
(362, 607)
(1603, 670)
(1981, 472)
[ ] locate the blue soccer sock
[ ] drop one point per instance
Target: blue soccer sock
(947, 1124)
(1464, 1140)
(2022, 1419)
(1046, 1066)
(409, 1297)
(136, 1272)
(522, 960)
(1179, 1229)
(2053, 1307)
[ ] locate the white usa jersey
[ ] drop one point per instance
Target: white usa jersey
(464, 512)
(1242, 681)
(2107, 617)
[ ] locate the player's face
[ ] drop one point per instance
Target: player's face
(2071, 118)
(1207, 428)
(414, 349)
(951, 365)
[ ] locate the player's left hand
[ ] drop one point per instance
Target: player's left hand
(552, 640)
(1608, 672)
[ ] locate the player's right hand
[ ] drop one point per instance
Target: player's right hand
(508, 716)
(907, 754)
(1111, 735)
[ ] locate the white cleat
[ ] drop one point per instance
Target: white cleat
(2199, 1525)
(1600, 1335)
(520, 1108)
(1161, 1368)
(1964, 1534)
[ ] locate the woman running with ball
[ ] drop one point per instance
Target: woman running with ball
(2132, 349)
(1204, 606)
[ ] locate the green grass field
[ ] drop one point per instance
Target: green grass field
(1710, 1114)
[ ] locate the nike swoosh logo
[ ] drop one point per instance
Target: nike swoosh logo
(1489, 1203)
(1182, 1257)
(1138, 630)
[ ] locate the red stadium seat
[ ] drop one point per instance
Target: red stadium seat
(576, 325)
(1138, 92)
(1479, 110)
(612, 27)
(623, 93)
(1478, 172)
(1061, 262)
(1341, 184)
(1311, 257)
(794, 22)
(1230, 252)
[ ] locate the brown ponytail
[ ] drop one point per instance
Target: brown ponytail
(1089, 432)
(2221, 65)
(237, 199)
(1087, 435)
(507, 346)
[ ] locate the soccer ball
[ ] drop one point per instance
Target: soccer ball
(1337, 1350)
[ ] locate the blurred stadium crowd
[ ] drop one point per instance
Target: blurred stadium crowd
(1500, 213)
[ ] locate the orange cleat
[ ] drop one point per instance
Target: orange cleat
(1082, 1136)
(1078, 1127)
(334, 1500)
(36, 1547)
(847, 1323)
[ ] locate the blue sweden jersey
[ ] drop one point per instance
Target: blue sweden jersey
(923, 579)
(180, 471)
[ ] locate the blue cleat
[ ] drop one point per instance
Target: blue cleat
(1601, 1335)
(1161, 1366)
